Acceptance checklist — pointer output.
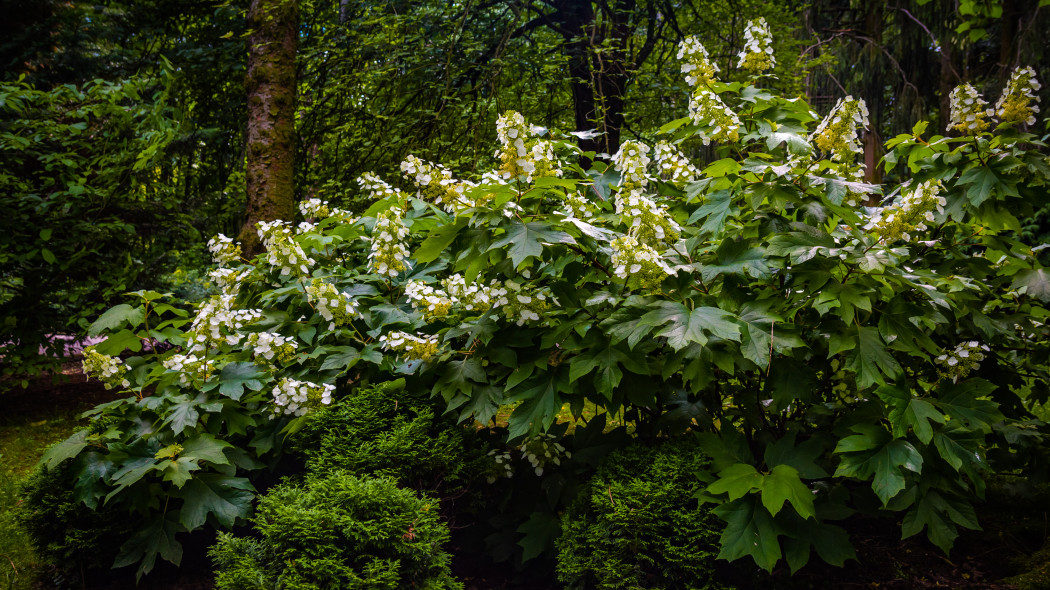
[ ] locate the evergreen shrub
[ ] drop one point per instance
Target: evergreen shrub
(393, 431)
(638, 523)
(339, 531)
(64, 531)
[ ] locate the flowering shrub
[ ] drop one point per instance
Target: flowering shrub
(751, 299)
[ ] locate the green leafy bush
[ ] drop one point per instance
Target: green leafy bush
(339, 531)
(72, 537)
(638, 523)
(838, 345)
(390, 430)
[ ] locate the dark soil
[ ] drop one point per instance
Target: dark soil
(1014, 528)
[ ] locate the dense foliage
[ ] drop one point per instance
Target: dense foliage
(638, 523)
(837, 346)
(338, 531)
(87, 211)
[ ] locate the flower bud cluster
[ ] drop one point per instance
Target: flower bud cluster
(333, 305)
(837, 135)
(388, 244)
(282, 251)
(502, 466)
(519, 303)
(268, 345)
(107, 369)
(673, 165)
(707, 110)
(960, 362)
(968, 113)
(911, 214)
(633, 162)
(224, 251)
(422, 347)
(633, 260)
(193, 370)
(296, 398)
(1015, 104)
(646, 220)
(697, 64)
(542, 450)
(757, 55)
(430, 302)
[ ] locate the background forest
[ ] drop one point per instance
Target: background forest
(566, 362)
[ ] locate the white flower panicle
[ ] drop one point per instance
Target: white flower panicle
(708, 111)
(432, 303)
(502, 465)
(672, 164)
(224, 251)
(757, 55)
(388, 244)
(968, 111)
(697, 66)
(376, 187)
(296, 398)
(217, 322)
(193, 370)
(634, 261)
(111, 371)
(959, 363)
(543, 450)
(838, 133)
(1016, 102)
(521, 156)
(409, 346)
(577, 205)
(520, 303)
(317, 209)
(229, 280)
(646, 220)
(314, 208)
(333, 305)
(473, 297)
(909, 215)
(436, 184)
(271, 345)
(632, 160)
(283, 253)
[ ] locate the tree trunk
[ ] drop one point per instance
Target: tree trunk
(270, 83)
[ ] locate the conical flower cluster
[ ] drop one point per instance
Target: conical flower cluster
(838, 134)
(1017, 104)
(911, 214)
(632, 160)
(388, 244)
(757, 55)
(697, 65)
(968, 111)
(717, 121)
(673, 165)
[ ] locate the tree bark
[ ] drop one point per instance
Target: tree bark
(270, 83)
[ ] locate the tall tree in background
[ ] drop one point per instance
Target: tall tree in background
(270, 165)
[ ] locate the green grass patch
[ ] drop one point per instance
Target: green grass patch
(23, 440)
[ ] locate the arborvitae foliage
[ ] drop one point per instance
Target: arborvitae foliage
(396, 432)
(638, 523)
(339, 531)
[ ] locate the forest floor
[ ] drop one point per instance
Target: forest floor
(1014, 527)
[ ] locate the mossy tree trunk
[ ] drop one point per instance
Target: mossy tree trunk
(271, 116)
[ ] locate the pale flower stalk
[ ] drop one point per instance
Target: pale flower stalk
(968, 112)
(757, 55)
(1019, 101)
